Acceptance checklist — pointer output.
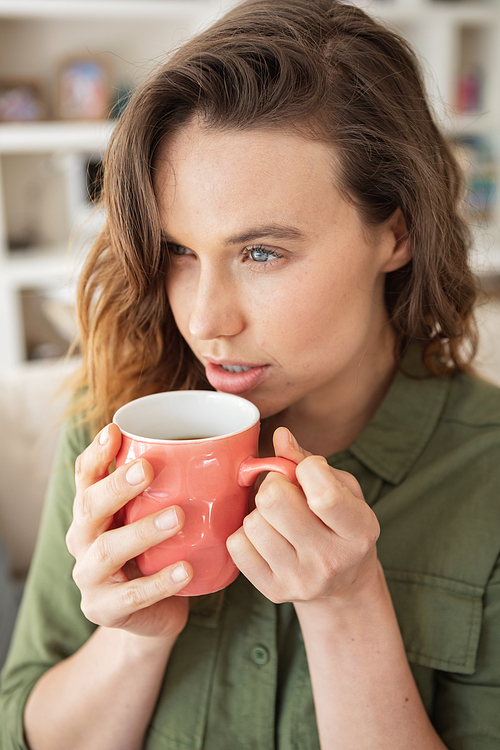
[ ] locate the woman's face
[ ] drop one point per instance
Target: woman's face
(274, 282)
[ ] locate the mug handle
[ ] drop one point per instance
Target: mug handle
(251, 467)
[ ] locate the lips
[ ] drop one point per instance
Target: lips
(235, 378)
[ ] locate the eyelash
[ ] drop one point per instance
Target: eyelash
(262, 248)
(246, 253)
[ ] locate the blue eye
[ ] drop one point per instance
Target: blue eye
(178, 249)
(261, 255)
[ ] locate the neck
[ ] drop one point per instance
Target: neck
(329, 420)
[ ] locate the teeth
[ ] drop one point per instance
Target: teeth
(235, 368)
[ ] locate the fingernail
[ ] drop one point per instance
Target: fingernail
(104, 436)
(167, 520)
(293, 442)
(179, 574)
(135, 475)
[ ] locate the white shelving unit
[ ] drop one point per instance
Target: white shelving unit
(42, 165)
(458, 42)
(43, 203)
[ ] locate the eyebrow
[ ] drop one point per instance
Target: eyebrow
(276, 231)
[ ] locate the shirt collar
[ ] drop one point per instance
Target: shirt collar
(398, 433)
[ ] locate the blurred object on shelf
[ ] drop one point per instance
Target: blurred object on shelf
(473, 64)
(22, 100)
(22, 241)
(476, 158)
(84, 89)
(470, 91)
(83, 183)
(34, 204)
(50, 321)
(58, 306)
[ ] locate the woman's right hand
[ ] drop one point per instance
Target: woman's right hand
(114, 593)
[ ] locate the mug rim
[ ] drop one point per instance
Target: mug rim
(255, 417)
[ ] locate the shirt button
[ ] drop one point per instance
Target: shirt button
(260, 655)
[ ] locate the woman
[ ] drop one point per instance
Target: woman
(283, 223)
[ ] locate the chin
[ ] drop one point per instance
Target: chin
(266, 409)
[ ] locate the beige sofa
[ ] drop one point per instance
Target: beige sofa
(32, 402)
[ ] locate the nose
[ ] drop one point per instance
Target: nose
(217, 310)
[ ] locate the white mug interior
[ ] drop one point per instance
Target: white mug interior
(185, 415)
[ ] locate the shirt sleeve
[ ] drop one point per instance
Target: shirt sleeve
(50, 625)
(467, 707)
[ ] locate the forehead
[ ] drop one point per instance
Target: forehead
(261, 174)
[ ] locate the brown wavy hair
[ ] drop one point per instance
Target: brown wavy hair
(331, 72)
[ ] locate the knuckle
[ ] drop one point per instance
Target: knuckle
(91, 611)
(115, 484)
(326, 498)
(269, 496)
(82, 507)
(142, 532)
(313, 462)
(276, 597)
(77, 574)
(133, 595)
(79, 466)
(101, 550)
(328, 568)
(368, 541)
(251, 521)
(71, 541)
(160, 585)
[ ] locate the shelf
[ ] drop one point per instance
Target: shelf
(140, 9)
(422, 11)
(35, 137)
(38, 267)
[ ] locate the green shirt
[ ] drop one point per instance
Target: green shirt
(429, 464)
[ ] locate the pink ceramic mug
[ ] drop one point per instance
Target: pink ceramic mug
(202, 447)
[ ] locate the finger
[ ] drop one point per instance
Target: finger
(248, 560)
(93, 464)
(334, 503)
(285, 508)
(113, 604)
(286, 446)
(274, 548)
(113, 549)
(94, 507)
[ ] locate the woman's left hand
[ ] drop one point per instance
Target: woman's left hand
(310, 542)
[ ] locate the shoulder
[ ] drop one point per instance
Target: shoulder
(73, 439)
(467, 432)
(473, 402)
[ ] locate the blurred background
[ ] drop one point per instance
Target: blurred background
(67, 69)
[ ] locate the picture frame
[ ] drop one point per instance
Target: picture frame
(84, 89)
(22, 100)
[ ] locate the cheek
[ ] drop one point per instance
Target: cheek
(331, 310)
(294, 319)
(179, 300)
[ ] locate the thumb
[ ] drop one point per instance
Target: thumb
(286, 446)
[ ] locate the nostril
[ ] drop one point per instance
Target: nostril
(212, 319)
